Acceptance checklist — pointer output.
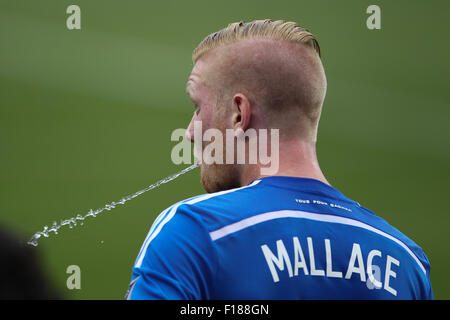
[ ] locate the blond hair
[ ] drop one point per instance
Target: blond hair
(263, 29)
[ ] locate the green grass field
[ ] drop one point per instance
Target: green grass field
(86, 117)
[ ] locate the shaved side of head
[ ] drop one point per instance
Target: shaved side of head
(285, 80)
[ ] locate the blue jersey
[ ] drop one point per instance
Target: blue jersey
(277, 238)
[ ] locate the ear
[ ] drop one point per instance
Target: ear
(242, 116)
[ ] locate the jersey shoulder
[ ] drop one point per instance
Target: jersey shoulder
(221, 208)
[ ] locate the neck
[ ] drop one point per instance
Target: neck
(296, 159)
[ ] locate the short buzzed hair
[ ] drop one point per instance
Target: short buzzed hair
(264, 29)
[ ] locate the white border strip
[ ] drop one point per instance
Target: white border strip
(248, 222)
(168, 217)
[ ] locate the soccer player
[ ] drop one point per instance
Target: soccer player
(289, 235)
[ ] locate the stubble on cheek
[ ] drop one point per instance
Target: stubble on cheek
(219, 176)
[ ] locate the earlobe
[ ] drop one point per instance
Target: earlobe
(241, 119)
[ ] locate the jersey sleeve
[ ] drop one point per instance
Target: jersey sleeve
(177, 260)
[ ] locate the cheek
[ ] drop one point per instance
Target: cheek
(207, 118)
(224, 116)
(210, 117)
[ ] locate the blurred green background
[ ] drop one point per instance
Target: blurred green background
(86, 117)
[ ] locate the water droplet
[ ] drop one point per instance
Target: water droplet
(72, 222)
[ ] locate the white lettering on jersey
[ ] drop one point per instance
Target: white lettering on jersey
(356, 265)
